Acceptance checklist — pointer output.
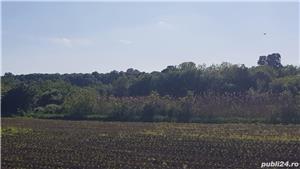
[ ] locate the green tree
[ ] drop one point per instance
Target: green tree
(17, 100)
(273, 60)
(80, 103)
(120, 86)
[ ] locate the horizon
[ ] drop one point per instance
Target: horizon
(216, 64)
(83, 37)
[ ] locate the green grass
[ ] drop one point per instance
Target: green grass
(15, 131)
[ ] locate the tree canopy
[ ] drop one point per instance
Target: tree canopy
(168, 93)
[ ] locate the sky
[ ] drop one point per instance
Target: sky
(82, 37)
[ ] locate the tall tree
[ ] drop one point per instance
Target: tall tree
(273, 60)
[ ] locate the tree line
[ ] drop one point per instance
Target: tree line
(268, 92)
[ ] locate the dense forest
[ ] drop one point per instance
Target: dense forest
(268, 92)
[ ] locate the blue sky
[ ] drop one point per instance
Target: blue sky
(67, 37)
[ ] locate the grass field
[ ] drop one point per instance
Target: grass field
(34, 143)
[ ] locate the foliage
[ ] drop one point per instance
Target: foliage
(182, 93)
(17, 100)
(272, 60)
(80, 102)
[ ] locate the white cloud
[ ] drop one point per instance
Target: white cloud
(70, 42)
(61, 41)
(164, 24)
(126, 42)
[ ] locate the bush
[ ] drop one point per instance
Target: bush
(53, 108)
(80, 103)
(289, 114)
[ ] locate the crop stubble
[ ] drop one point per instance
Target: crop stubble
(33, 143)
